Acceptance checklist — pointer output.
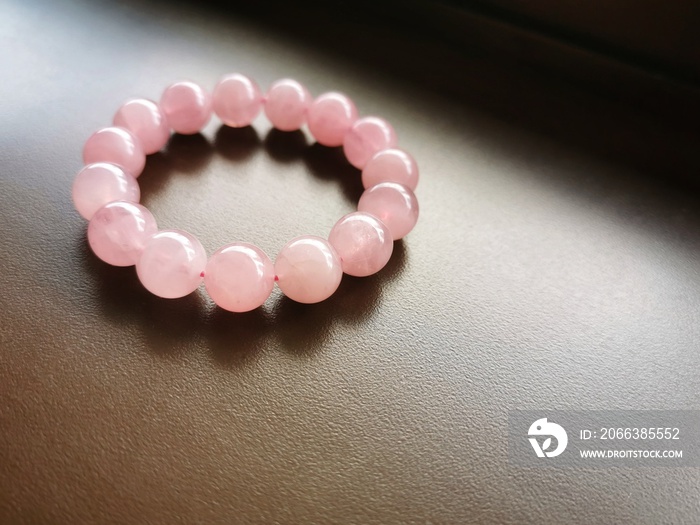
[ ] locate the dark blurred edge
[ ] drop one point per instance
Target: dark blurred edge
(659, 37)
(487, 30)
(511, 64)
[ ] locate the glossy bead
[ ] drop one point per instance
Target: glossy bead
(363, 243)
(100, 183)
(186, 106)
(393, 204)
(117, 146)
(118, 232)
(146, 121)
(330, 117)
(308, 269)
(171, 264)
(239, 277)
(391, 165)
(237, 100)
(365, 138)
(286, 104)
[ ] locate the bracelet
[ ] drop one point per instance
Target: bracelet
(239, 277)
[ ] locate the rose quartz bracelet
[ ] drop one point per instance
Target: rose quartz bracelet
(239, 277)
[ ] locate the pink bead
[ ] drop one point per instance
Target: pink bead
(330, 117)
(308, 269)
(286, 104)
(366, 137)
(237, 100)
(239, 277)
(391, 165)
(363, 243)
(144, 119)
(98, 184)
(393, 204)
(117, 146)
(171, 264)
(118, 232)
(186, 106)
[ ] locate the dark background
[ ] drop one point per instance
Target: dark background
(555, 266)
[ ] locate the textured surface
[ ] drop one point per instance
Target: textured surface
(555, 265)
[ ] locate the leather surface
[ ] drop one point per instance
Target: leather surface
(555, 266)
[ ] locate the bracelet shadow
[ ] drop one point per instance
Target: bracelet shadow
(175, 328)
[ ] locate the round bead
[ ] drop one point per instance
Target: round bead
(308, 269)
(118, 232)
(237, 100)
(117, 146)
(366, 137)
(393, 204)
(145, 120)
(171, 264)
(100, 183)
(330, 117)
(186, 106)
(391, 165)
(239, 277)
(363, 243)
(286, 104)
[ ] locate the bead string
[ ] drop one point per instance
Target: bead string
(239, 277)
